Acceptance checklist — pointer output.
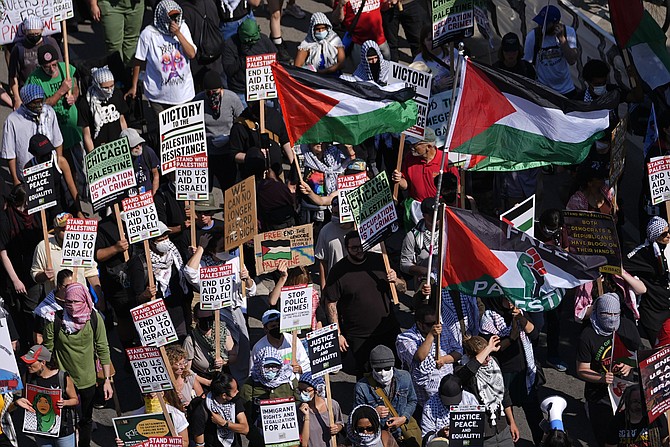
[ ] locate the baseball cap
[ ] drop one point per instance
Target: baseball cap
(46, 54)
(267, 361)
(510, 42)
(35, 354)
(552, 12)
(428, 137)
(163, 228)
(450, 390)
(270, 316)
(428, 205)
(40, 145)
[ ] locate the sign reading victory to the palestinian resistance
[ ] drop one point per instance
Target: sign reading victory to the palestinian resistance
(141, 217)
(296, 308)
(280, 422)
(452, 20)
(421, 83)
(40, 187)
(294, 244)
(260, 81)
(217, 286)
(149, 368)
(133, 430)
(589, 233)
(323, 348)
(240, 223)
(109, 170)
(79, 242)
(192, 177)
(182, 133)
(658, 169)
(153, 323)
(347, 182)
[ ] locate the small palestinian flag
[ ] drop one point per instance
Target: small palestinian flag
(318, 108)
(621, 354)
(273, 250)
(522, 216)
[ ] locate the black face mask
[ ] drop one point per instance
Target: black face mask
(33, 39)
(274, 333)
(450, 197)
(215, 104)
(374, 70)
(206, 324)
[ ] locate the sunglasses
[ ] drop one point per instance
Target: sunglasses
(664, 234)
(367, 429)
(383, 369)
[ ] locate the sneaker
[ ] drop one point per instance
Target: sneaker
(282, 54)
(558, 364)
(294, 11)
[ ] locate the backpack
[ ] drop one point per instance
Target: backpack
(209, 42)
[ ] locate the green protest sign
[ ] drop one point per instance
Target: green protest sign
(109, 171)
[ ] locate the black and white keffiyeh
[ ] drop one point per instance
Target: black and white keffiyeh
(490, 387)
(162, 266)
(96, 96)
(162, 19)
(227, 410)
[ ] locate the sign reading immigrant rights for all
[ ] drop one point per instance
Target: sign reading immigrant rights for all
(79, 242)
(153, 323)
(280, 422)
(182, 133)
(452, 20)
(41, 187)
(109, 170)
(260, 81)
(141, 217)
(421, 83)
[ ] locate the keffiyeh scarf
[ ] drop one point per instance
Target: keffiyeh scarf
(363, 72)
(162, 266)
(359, 440)
(285, 372)
(227, 410)
(208, 341)
(96, 96)
(470, 314)
(331, 165)
(77, 307)
(321, 53)
(162, 19)
(490, 387)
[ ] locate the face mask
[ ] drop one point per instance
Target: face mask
(609, 323)
(33, 39)
(320, 35)
(163, 246)
(205, 325)
(274, 333)
(34, 110)
(270, 374)
(383, 377)
(366, 438)
(374, 70)
(152, 405)
(106, 92)
(599, 90)
(305, 396)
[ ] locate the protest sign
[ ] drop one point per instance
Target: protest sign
(588, 233)
(192, 177)
(9, 370)
(133, 430)
(374, 211)
(323, 349)
(51, 12)
(141, 217)
(153, 324)
(618, 151)
(217, 286)
(452, 20)
(182, 133)
(296, 308)
(45, 421)
(41, 187)
(483, 23)
(79, 242)
(260, 81)
(294, 245)
(280, 422)
(109, 170)
(149, 368)
(616, 390)
(162, 441)
(466, 425)
(655, 378)
(659, 179)
(347, 182)
(522, 216)
(239, 225)
(421, 83)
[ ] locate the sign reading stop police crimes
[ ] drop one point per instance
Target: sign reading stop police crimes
(153, 323)
(452, 20)
(260, 81)
(347, 182)
(323, 348)
(109, 170)
(217, 285)
(182, 130)
(590, 233)
(192, 179)
(79, 242)
(421, 83)
(141, 217)
(41, 187)
(280, 422)
(466, 425)
(659, 179)
(239, 224)
(296, 308)
(149, 368)
(374, 211)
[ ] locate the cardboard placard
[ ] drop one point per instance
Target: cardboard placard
(79, 242)
(109, 171)
(162, 441)
(374, 210)
(141, 217)
(149, 368)
(466, 425)
(153, 324)
(323, 348)
(280, 422)
(452, 20)
(294, 245)
(240, 222)
(52, 12)
(10, 380)
(347, 182)
(40, 187)
(655, 378)
(296, 308)
(217, 286)
(133, 430)
(421, 82)
(618, 151)
(192, 178)
(260, 81)
(658, 169)
(439, 108)
(587, 233)
(182, 133)
(45, 421)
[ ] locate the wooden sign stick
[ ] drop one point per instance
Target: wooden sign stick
(294, 344)
(217, 334)
(398, 165)
(387, 266)
(122, 234)
(150, 268)
(329, 403)
(168, 419)
(244, 283)
(45, 234)
(191, 205)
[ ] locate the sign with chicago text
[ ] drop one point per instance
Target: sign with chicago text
(149, 368)
(347, 182)
(421, 82)
(588, 233)
(240, 222)
(323, 348)
(40, 187)
(659, 179)
(79, 242)
(153, 324)
(452, 20)
(182, 133)
(260, 81)
(294, 244)
(109, 171)
(141, 217)
(217, 286)
(280, 422)
(296, 308)
(192, 177)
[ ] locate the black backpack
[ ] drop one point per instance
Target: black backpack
(209, 41)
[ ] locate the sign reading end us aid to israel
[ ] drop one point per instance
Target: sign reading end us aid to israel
(182, 133)
(79, 242)
(260, 81)
(141, 217)
(192, 178)
(659, 179)
(153, 324)
(217, 285)
(149, 368)
(421, 82)
(109, 171)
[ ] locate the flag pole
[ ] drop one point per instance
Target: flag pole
(440, 275)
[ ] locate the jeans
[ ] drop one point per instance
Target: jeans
(66, 441)
(502, 439)
(86, 400)
(229, 29)
(413, 17)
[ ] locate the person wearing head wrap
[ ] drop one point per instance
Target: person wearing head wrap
(167, 48)
(365, 430)
(322, 50)
(313, 410)
(101, 115)
(121, 22)
(372, 66)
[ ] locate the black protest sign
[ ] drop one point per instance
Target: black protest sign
(41, 187)
(466, 425)
(655, 378)
(323, 348)
(618, 151)
(588, 233)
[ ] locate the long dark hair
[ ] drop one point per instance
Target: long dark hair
(366, 412)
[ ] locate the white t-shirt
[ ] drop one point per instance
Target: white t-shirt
(168, 77)
(551, 66)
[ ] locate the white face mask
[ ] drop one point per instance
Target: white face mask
(320, 35)
(383, 377)
(599, 90)
(305, 396)
(163, 246)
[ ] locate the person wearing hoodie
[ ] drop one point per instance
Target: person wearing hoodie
(322, 50)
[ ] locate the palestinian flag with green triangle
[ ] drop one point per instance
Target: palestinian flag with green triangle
(318, 108)
(487, 258)
(513, 118)
(635, 29)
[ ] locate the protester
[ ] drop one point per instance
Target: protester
(412, 15)
(438, 60)
(51, 304)
(510, 57)
(145, 162)
(593, 194)
(329, 247)
(274, 8)
(461, 314)
(322, 50)
(282, 343)
(7, 431)
(205, 222)
(367, 27)
(631, 425)
(313, 415)
(122, 23)
(293, 277)
(364, 429)
(373, 66)
(435, 421)
(186, 383)
(200, 346)
(275, 201)
(416, 247)
(173, 213)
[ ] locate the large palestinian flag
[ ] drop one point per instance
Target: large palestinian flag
(318, 108)
(489, 258)
(513, 118)
(635, 29)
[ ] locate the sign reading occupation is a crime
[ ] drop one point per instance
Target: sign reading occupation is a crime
(109, 171)
(655, 378)
(153, 323)
(452, 20)
(217, 286)
(466, 425)
(260, 81)
(192, 178)
(141, 217)
(590, 233)
(149, 368)
(182, 133)
(323, 348)
(347, 182)
(239, 225)
(659, 179)
(79, 242)
(132, 430)
(374, 210)
(41, 187)
(280, 422)
(296, 308)
(294, 244)
(421, 83)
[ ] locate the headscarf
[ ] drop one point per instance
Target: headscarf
(95, 96)
(364, 72)
(490, 387)
(655, 228)
(606, 325)
(31, 92)
(45, 422)
(77, 307)
(32, 22)
(257, 373)
(162, 19)
(321, 54)
(355, 437)
(315, 382)
(224, 434)
(162, 264)
(332, 165)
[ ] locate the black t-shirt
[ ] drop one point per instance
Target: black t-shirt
(622, 433)
(111, 112)
(216, 228)
(143, 165)
(20, 243)
(200, 422)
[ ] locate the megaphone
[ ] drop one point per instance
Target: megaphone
(553, 407)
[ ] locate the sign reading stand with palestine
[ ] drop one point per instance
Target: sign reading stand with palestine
(452, 20)
(153, 324)
(655, 378)
(294, 245)
(296, 308)
(466, 425)
(374, 211)
(588, 233)
(421, 83)
(182, 133)
(141, 217)
(192, 177)
(109, 171)
(323, 348)
(347, 182)
(149, 368)
(240, 223)
(79, 242)
(659, 179)
(260, 81)
(280, 422)
(217, 285)
(162, 441)
(41, 187)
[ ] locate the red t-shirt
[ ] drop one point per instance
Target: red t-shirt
(664, 334)
(420, 175)
(369, 26)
